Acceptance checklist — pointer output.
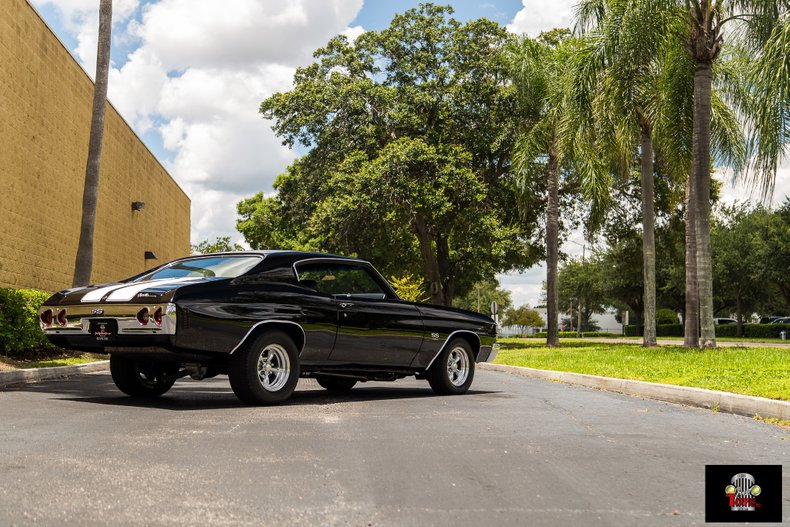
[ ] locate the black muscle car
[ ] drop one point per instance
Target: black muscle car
(266, 318)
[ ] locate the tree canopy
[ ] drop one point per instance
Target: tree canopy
(481, 295)
(409, 132)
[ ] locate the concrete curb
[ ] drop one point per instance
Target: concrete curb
(8, 378)
(724, 401)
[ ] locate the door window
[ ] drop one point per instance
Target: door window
(347, 281)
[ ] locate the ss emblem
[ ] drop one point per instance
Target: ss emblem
(97, 311)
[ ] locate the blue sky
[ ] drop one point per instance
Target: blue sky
(189, 76)
(377, 14)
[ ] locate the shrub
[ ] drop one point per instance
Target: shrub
(755, 331)
(662, 330)
(728, 330)
(19, 330)
(573, 334)
(765, 331)
(666, 316)
(410, 288)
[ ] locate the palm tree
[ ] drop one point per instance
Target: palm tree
(642, 37)
(545, 146)
(615, 88)
(758, 28)
(84, 261)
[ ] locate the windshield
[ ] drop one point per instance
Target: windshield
(205, 267)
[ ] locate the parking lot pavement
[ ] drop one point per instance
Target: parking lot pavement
(514, 451)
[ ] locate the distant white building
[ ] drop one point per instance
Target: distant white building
(606, 322)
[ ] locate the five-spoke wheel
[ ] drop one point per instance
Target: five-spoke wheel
(453, 370)
(265, 370)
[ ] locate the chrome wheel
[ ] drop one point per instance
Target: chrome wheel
(274, 367)
(457, 366)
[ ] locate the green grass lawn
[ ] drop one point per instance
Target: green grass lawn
(680, 339)
(7, 363)
(764, 372)
(724, 339)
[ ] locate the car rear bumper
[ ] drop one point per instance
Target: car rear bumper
(80, 320)
(488, 353)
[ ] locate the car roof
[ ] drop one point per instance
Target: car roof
(280, 257)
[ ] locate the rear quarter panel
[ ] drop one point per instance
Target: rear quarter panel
(216, 317)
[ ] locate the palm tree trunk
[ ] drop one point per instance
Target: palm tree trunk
(552, 246)
(701, 172)
(83, 265)
(648, 239)
(691, 315)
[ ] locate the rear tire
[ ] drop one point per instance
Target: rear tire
(266, 370)
(453, 370)
(336, 384)
(143, 379)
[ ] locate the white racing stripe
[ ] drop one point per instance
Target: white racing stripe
(97, 294)
(126, 293)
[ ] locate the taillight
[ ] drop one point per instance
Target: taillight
(46, 317)
(62, 321)
(158, 316)
(142, 316)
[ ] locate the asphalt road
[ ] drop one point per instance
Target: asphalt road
(514, 451)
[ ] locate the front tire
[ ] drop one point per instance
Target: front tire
(453, 370)
(336, 384)
(266, 370)
(143, 379)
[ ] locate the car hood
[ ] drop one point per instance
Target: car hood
(126, 292)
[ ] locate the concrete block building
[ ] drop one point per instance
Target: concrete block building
(45, 110)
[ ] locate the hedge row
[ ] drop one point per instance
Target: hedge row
(573, 334)
(762, 331)
(662, 330)
(19, 329)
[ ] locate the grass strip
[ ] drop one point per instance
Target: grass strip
(762, 372)
(7, 363)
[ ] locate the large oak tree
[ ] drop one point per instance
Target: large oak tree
(409, 132)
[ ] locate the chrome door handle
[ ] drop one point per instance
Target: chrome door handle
(346, 305)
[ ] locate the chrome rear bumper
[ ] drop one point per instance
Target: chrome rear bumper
(79, 317)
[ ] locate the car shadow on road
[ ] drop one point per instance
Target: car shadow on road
(214, 394)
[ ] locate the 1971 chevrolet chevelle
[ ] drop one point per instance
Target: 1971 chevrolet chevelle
(265, 318)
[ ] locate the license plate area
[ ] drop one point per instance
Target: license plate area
(104, 329)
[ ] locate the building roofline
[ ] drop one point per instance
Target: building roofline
(38, 14)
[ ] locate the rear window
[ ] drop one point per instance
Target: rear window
(205, 267)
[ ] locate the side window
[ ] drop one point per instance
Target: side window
(340, 280)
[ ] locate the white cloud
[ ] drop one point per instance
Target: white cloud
(197, 73)
(240, 34)
(81, 19)
(738, 190)
(537, 16)
(353, 32)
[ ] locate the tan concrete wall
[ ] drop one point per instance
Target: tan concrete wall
(45, 105)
